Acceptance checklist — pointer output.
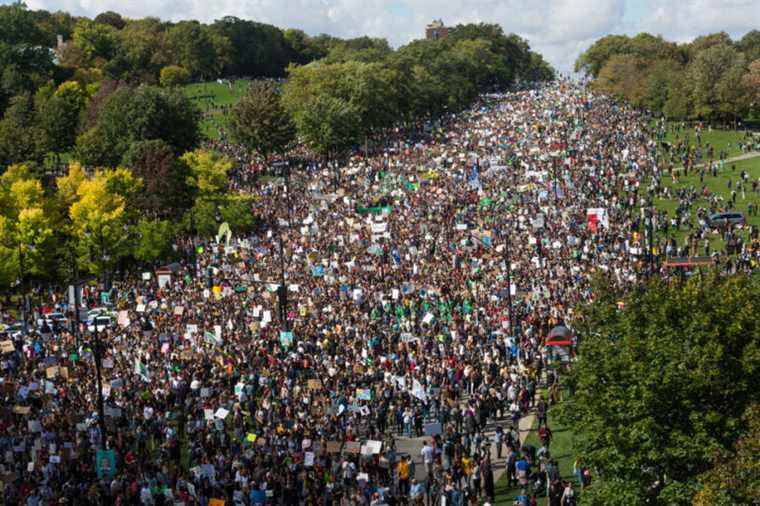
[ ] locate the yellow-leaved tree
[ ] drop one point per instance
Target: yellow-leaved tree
(97, 216)
(26, 231)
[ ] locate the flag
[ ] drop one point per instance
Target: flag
(211, 337)
(142, 370)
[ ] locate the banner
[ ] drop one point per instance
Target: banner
(596, 216)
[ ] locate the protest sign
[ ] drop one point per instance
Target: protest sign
(105, 463)
(286, 339)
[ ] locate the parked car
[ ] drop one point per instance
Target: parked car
(101, 323)
(722, 219)
(11, 330)
(53, 320)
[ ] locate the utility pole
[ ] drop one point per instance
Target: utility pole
(98, 352)
(508, 262)
(23, 289)
(282, 290)
(77, 297)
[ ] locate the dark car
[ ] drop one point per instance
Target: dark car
(722, 219)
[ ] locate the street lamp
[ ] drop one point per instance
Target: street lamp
(507, 255)
(98, 355)
(555, 157)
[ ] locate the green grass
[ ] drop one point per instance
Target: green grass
(561, 448)
(213, 99)
(726, 140)
(718, 184)
(213, 94)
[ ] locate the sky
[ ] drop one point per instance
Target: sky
(558, 29)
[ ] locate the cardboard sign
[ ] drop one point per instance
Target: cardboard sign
(433, 429)
(373, 447)
(7, 347)
(286, 339)
(332, 446)
(352, 447)
(315, 384)
(123, 319)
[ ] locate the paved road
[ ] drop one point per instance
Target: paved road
(412, 446)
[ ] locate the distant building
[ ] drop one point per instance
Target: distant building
(436, 30)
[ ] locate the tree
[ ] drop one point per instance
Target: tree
(26, 233)
(154, 240)
(165, 191)
(255, 49)
(142, 45)
(132, 115)
(207, 172)
(370, 89)
(208, 178)
(362, 49)
(716, 74)
(95, 40)
(591, 61)
(25, 61)
(625, 77)
(751, 83)
(662, 384)
(704, 42)
(328, 125)
(21, 138)
(198, 49)
(111, 18)
(59, 117)
(173, 75)
(735, 476)
(99, 225)
(750, 45)
(259, 121)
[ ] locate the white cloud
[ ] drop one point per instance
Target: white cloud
(559, 29)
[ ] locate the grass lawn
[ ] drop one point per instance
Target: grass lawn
(726, 140)
(213, 99)
(561, 448)
(213, 94)
(718, 184)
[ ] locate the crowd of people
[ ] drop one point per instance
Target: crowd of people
(394, 300)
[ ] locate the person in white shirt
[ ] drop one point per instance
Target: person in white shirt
(428, 457)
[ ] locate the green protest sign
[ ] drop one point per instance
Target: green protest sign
(105, 463)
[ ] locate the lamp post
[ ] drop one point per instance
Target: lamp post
(507, 255)
(75, 271)
(555, 157)
(98, 354)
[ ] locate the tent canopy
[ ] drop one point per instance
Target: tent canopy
(560, 336)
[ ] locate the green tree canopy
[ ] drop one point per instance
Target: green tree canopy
(259, 121)
(130, 115)
(662, 384)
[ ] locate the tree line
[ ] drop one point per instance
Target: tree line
(712, 77)
(357, 92)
